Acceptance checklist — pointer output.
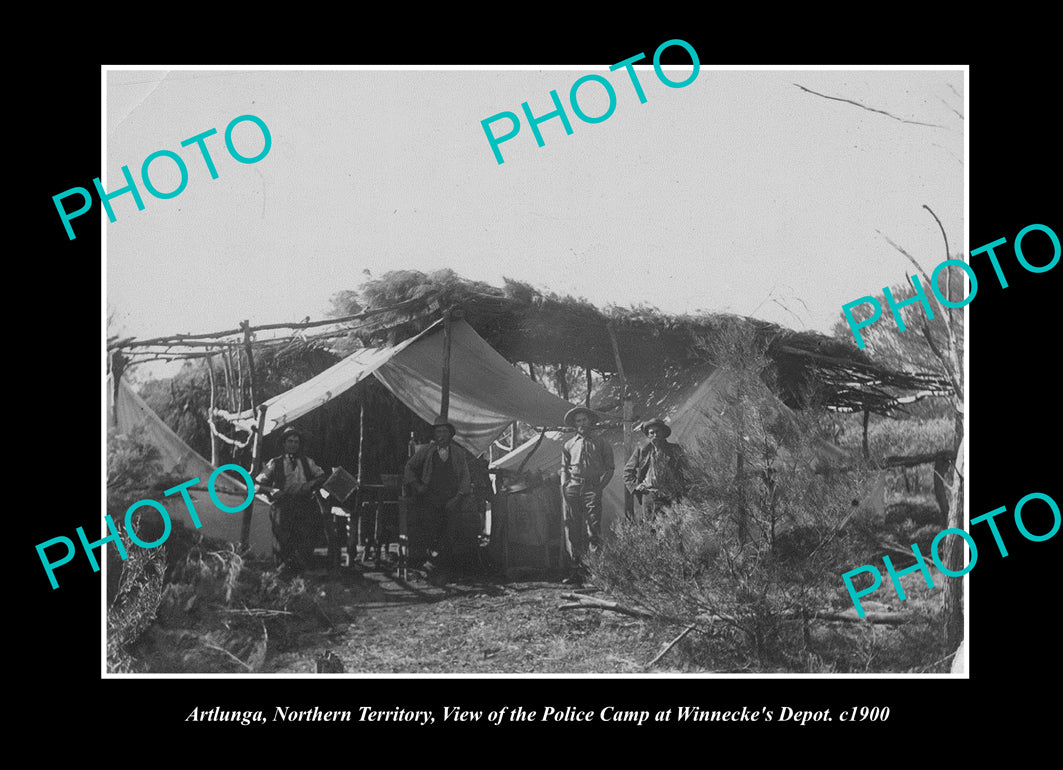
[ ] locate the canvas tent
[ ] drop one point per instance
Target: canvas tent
(128, 412)
(487, 392)
(689, 398)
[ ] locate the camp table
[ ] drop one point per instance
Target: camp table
(385, 501)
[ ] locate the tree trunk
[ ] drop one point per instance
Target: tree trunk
(953, 597)
(214, 443)
(943, 478)
(867, 451)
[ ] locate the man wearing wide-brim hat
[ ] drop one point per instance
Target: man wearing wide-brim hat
(438, 476)
(586, 467)
(657, 473)
(291, 479)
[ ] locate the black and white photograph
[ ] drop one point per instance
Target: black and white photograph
(542, 384)
(614, 371)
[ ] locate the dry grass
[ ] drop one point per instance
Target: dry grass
(376, 626)
(515, 628)
(220, 614)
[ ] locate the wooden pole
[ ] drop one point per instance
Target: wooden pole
(587, 400)
(210, 413)
(251, 386)
(177, 339)
(256, 451)
(226, 358)
(118, 362)
(361, 441)
(444, 407)
(256, 447)
(629, 409)
(562, 381)
(239, 383)
(256, 466)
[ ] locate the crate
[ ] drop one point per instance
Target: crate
(527, 532)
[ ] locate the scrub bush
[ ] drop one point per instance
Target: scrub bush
(134, 585)
(758, 547)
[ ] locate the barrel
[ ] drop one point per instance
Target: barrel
(526, 529)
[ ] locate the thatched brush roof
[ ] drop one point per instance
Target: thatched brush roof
(525, 324)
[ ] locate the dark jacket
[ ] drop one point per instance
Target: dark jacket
(419, 467)
(675, 470)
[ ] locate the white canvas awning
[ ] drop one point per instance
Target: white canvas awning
(307, 396)
(132, 414)
(486, 391)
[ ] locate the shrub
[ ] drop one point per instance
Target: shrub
(134, 585)
(765, 534)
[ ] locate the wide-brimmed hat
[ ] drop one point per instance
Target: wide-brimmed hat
(570, 415)
(655, 423)
(440, 422)
(291, 431)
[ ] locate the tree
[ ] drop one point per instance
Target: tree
(909, 350)
(936, 344)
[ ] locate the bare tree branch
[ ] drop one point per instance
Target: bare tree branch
(957, 112)
(670, 645)
(788, 310)
(940, 227)
(950, 152)
(911, 259)
(871, 109)
(950, 326)
(948, 362)
(210, 646)
(943, 359)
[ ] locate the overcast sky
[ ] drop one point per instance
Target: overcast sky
(739, 193)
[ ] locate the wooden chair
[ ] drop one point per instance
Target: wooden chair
(381, 515)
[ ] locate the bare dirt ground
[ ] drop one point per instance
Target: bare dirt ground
(376, 623)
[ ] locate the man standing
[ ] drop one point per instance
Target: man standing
(292, 480)
(438, 475)
(657, 472)
(586, 467)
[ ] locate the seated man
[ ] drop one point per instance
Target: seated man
(657, 471)
(291, 481)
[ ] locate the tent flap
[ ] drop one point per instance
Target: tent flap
(307, 396)
(486, 391)
(176, 457)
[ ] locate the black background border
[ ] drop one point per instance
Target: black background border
(1014, 165)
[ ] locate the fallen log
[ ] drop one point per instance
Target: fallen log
(886, 618)
(580, 601)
